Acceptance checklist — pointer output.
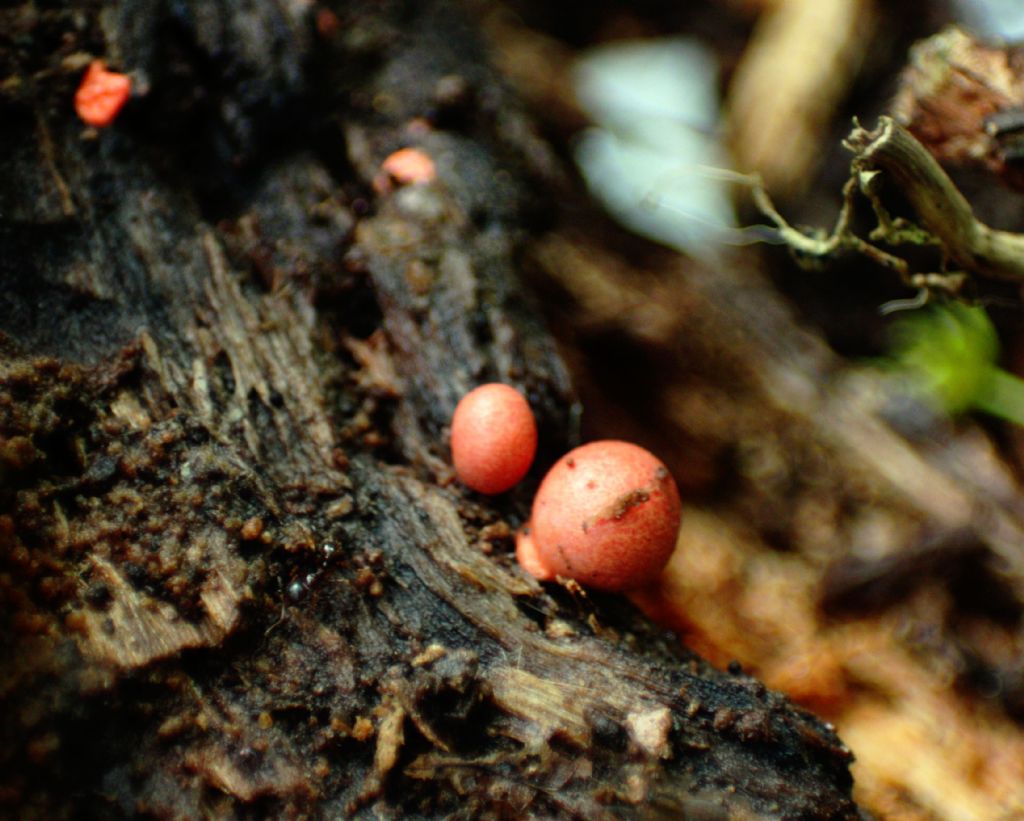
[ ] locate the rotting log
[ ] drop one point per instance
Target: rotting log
(237, 579)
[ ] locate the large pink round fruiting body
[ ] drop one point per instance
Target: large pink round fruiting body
(494, 438)
(607, 515)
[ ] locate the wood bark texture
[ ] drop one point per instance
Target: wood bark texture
(236, 577)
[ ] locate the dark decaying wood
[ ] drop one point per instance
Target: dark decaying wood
(236, 577)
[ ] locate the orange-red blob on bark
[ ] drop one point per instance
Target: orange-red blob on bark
(409, 166)
(607, 515)
(526, 555)
(101, 95)
(494, 438)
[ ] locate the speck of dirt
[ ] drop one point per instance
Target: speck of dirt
(629, 500)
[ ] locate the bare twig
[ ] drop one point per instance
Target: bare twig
(890, 152)
(942, 209)
(840, 241)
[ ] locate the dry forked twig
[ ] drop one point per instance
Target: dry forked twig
(942, 209)
(946, 217)
(840, 241)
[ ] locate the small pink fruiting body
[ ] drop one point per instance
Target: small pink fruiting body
(607, 515)
(101, 95)
(409, 166)
(526, 555)
(494, 438)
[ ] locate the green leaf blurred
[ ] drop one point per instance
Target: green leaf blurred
(951, 350)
